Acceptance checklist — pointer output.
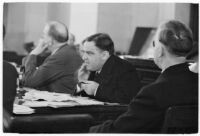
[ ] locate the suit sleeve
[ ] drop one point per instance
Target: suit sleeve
(143, 115)
(9, 85)
(122, 90)
(48, 72)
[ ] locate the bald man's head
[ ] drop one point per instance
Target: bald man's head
(58, 31)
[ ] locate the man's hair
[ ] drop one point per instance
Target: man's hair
(102, 41)
(176, 37)
(58, 31)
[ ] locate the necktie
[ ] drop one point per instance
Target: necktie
(96, 76)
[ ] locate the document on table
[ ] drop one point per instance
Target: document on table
(35, 98)
(20, 109)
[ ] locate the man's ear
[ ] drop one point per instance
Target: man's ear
(51, 42)
(160, 51)
(105, 55)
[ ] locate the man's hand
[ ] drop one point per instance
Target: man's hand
(83, 73)
(40, 47)
(90, 87)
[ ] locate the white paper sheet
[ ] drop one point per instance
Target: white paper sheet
(55, 99)
(20, 109)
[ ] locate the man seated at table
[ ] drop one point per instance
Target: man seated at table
(103, 75)
(56, 74)
(177, 85)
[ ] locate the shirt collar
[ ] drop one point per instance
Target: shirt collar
(53, 52)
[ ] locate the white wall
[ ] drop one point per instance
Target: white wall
(121, 20)
(59, 12)
(25, 21)
(83, 20)
(182, 12)
(24, 24)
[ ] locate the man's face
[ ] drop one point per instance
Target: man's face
(92, 56)
(46, 38)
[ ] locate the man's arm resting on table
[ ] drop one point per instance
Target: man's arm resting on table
(48, 72)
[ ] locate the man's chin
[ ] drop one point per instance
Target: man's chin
(89, 68)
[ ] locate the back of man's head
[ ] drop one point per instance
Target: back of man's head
(102, 41)
(176, 37)
(58, 31)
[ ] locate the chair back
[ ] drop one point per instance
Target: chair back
(181, 119)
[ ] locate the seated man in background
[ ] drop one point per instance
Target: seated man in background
(103, 75)
(177, 85)
(56, 74)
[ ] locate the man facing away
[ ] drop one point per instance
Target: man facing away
(103, 75)
(176, 85)
(56, 74)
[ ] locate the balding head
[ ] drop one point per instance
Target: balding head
(58, 31)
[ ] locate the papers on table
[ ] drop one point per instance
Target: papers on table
(20, 109)
(47, 96)
(35, 103)
(35, 98)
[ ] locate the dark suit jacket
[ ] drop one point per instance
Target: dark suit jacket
(56, 74)
(176, 86)
(9, 86)
(118, 81)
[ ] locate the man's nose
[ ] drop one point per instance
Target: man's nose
(84, 57)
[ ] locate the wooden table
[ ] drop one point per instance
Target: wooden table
(76, 119)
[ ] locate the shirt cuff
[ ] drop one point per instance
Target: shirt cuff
(95, 92)
(78, 89)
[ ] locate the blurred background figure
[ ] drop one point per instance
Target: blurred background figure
(56, 73)
(193, 55)
(29, 46)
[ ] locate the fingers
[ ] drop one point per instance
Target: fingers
(89, 82)
(83, 81)
(83, 68)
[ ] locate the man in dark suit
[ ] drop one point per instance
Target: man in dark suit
(9, 86)
(175, 86)
(56, 74)
(105, 76)
(10, 76)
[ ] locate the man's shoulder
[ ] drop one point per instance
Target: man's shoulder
(9, 68)
(122, 64)
(66, 50)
